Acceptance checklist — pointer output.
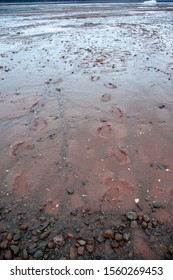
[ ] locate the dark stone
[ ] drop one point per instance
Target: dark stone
(157, 205)
(25, 254)
(44, 226)
(1, 256)
(38, 255)
(15, 249)
(32, 248)
(70, 191)
(73, 212)
(17, 237)
(101, 238)
(99, 257)
(42, 245)
(42, 218)
(161, 166)
(103, 120)
(147, 232)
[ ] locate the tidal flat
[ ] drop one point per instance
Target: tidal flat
(86, 131)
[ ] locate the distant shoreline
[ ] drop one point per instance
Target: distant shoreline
(80, 1)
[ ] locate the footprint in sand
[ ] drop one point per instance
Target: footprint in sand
(32, 109)
(118, 191)
(104, 131)
(95, 78)
(40, 124)
(121, 156)
(16, 148)
(110, 85)
(116, 111)
(106, 97)
(21, 183)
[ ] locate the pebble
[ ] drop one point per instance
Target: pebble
(32, 248)
(103, 120)
(14, 242)
(101, 238)
(115, 244)
(70, 191)
(24, 227)
(80, 250)
(50, 245)
(8, 255)
(77, 229)
(25, 254)
(34, 233)
(90, 248)
(130, 254)
(72, 253)
(42, 245)
(108, 233)
(157, 205)
(15, 249)
(44, 226)
(126, 236)
(2, 227)
(146, 218)
(133, 224)
(4, 244)
(9, 236)
(45, 234)
(118, 237)
(73, 212)
(144, 224)
(70, 235)
(147, 232)
(46, 256)
(81, 242)
(38, 255)
(131, 215)
(17, 237)
(42, 218)
(59, 240)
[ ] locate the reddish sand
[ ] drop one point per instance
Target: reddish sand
(86, 104)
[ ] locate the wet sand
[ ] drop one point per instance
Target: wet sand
(86, 129)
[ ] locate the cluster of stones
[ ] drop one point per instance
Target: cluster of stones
(41, 242)
(35, 246)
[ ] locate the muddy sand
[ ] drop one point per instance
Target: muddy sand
(86, 132)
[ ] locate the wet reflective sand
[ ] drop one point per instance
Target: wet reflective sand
(86, 125)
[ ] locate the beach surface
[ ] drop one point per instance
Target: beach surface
(86, 131)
